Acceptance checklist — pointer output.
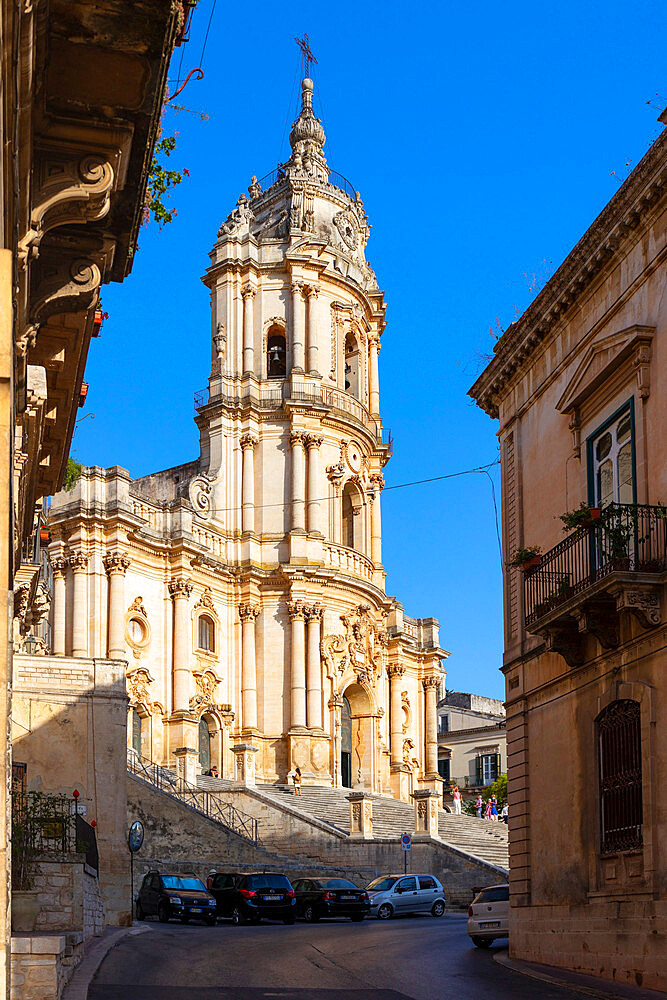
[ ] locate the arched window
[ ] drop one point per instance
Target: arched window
(352, 522)
(352, 366)
(206, 633)
(135, 724)
(620, 775)
(276, 354)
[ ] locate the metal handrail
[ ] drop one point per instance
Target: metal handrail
(626, 538)
(335, 180)
(203, 802)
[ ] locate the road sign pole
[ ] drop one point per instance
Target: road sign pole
(405, 862)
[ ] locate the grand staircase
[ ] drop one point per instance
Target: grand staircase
(391, 817)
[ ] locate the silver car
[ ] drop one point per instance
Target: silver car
(395, 894)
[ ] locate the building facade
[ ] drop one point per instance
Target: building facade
(246, 588)
(578, 386)
(472, 744)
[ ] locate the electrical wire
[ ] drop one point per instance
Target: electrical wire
(208, 28)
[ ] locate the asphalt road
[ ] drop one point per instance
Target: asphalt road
(416, 957)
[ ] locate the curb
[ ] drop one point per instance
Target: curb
(77, 987)
(577, 982)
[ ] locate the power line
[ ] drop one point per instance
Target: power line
(208, 28)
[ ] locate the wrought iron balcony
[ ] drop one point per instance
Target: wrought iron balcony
(584, 582)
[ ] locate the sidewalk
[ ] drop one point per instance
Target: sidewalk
(77, 988)
(592, 986)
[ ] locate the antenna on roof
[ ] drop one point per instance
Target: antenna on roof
(308, 57)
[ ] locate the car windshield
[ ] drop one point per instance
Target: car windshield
(337, 883)
(500, 895)
(182, 882)
(382, 884)
(268, 882)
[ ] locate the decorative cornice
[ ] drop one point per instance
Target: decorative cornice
(599, 244)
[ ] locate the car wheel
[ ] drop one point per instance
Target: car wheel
(163, 913)
(290, 920)
(210, 920)
(385, 912)
(438, 908)
(482, 942)
(140, 912)
(238, 917)
(309, 915)
(357, 918)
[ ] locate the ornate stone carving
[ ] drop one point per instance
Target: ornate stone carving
(239, 218)
(298, 438)
(116, 562)
(408, 747)
(27, 340)
(407, 711)
(336, 473)
(431, 681)
(313, 441)
(78, 561)
(59, 565)
(248, 612)
(347, 226)
(297, 287)
(220, 344)
(65, 286)
(315, 612)
(179, 588)
(644, 604)
(312, 291)
(297, 609)
(138, 687)
(599, 618)
(248, 292)
(205, 602)
(320, 755)
(248, 440)
(395, 670)
(206, 684)
(254, 188)
(377, 481)
(200, 496)
(358, 649)
(137, 608)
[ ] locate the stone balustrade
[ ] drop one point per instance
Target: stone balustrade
(348, 561)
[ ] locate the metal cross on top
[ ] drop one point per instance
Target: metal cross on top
(308, 57)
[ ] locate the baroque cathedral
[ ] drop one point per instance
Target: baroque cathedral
(245, 589)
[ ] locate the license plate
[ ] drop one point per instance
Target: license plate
(489, 923)
(272, 899)
(195, 909)
(348, 897)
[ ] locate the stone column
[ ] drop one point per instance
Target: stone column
(361, 815)
(315, 488)
(116, 564)
(248, 613)
(248, 444)
(431, 685)
(314, 669)
(248, 329)
(312, 292)
(298, 327)
(373, 375)
(298, 443)
(244, 765)
(79, 563)
(426, 813)
(59, 567)
(297, 613)
(376, 521)
(396, 713)
(180, 591)
(335, 475)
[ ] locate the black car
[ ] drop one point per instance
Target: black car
(248, 898)
(172, 894)
(330, 897)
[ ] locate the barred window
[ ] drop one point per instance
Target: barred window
(620, 771)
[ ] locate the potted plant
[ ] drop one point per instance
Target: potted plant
(527, 558)
(44, 536)
(583, 516)
(25, 901)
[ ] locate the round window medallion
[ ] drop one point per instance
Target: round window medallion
(136, 631)
(354, 459)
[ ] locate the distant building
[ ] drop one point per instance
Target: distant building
(471, 739)
(578, 386)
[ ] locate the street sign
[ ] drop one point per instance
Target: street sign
(406, 841)
(135, 837)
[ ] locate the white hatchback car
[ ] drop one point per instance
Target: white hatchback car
(488, 915)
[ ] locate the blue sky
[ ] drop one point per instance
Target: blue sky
(484, 140)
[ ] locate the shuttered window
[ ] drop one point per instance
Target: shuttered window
(620, 777)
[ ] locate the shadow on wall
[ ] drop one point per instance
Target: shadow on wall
(69, 731)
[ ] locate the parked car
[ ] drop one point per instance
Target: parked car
(394, 894)
(173, 894)
(249, 898)
(330, 897)
(488, 915)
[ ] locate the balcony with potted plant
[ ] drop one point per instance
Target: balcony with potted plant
(613, 562)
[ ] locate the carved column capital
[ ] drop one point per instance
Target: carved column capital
(395, 670)
(377, 481)
(297, 287)
(248, 612)
(432, 681)
(298, 438)
(78, 561)
(59, 565)
(312, 291)
(178, 587)
(248, 440)
(374, 341)
(314, 613)
(297, 610)
(116, 562)
(248, 292)
(313, 441)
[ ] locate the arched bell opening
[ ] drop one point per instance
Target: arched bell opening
(352, 517)
(352, 365)
(276, 354)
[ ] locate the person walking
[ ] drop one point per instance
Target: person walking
(478, 806)
(505, 814)
(487, 811)
(297, 781)
(209, 878)
(456, 796)
(494, 809)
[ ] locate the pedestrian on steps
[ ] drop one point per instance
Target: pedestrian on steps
(494, 809)
(478, 806)
(456, 796)
(297, 781)
(487, 811)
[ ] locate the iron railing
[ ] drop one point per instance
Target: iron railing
(203, 802)
(626, 538)
(335, 179)
(620, 775)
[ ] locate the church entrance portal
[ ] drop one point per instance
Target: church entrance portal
(346, 744)
(204, 745)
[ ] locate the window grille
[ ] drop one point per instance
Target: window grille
(620, 774)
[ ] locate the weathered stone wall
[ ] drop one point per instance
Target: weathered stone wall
(69, 896)
(42, 964)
